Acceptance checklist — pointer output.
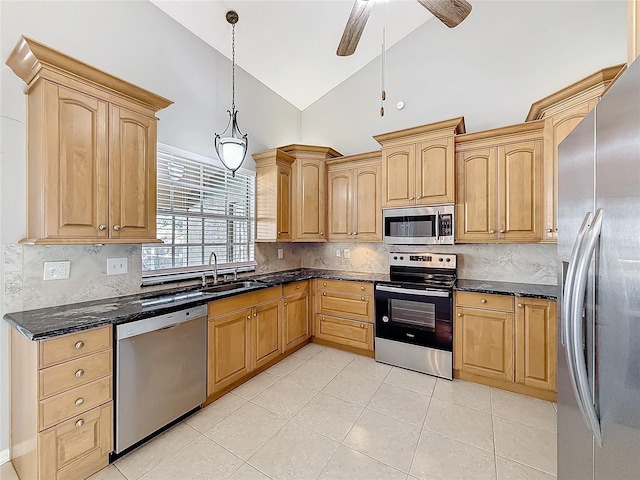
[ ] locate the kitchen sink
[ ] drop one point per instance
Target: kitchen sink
(171, 298)
(226, 287)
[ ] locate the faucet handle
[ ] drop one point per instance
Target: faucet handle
(235, 274)
(204, 279)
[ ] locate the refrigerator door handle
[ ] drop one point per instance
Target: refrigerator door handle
(585, 399)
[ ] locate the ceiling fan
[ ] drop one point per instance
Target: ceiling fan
(449, 12)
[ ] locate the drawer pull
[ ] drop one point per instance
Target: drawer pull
(324, 284)
(255, 314)
(361, 325)
(459, 314)
(286, 303)
(297, 287)
(483, 301)
(502, 230)
(362, 298)
(362, 288)
(79, 401)
(492, 231)
(80, 423)
(80, 373)
(102, 227)
(116, 228)
(324, 293)
(520, 305)
(248, 317)
(79, 345)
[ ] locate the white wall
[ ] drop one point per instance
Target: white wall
(136, 41)
(490, 69)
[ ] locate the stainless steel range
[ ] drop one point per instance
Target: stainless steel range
(414, 313)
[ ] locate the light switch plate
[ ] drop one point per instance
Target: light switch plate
(346, 253)
(117, 266)
(339, 253)
(56, 270)
(280, 253)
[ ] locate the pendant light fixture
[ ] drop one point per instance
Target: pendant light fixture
(231, 146)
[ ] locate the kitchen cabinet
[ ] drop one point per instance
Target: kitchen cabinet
(344, 314)
(633, 30)
(61, 404)
(90, 153)
(296, 314)
(354, 208)
(418, 164)
(499, 185)
(506, 346)
(562, 112)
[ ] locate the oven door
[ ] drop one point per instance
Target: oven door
(414, 315)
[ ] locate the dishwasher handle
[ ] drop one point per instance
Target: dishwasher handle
(161, 322)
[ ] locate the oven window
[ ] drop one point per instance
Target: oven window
(418, 226)
(413, 313)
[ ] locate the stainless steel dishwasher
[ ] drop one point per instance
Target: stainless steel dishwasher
(161, 372)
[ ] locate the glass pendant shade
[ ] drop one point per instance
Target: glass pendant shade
(231, 148)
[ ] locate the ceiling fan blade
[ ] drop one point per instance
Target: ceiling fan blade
(355, 25)
(449, 12)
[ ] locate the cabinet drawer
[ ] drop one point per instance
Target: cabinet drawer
(346, 286)
(294, 288)
(356, 307)
(74, 345)
(71, 374)
(345, 332)
(73, 402)
(78, 447)
(485, 300)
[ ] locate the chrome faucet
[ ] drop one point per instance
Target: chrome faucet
(215, 267)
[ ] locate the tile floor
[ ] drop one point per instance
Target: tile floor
(327, 414)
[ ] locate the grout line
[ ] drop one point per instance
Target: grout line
(523, 464)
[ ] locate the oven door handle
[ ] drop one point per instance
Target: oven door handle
(411, 291)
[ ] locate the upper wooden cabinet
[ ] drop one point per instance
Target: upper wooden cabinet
(91, 152)
(562, 112)
(418, 164)
(633, 30)
(354, 209)
(290, 200)
(499, 185)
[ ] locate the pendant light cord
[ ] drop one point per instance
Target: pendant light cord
(233, 68)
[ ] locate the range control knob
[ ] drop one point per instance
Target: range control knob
(448, 259)
(401, 258)
(395, 258)
(385, 319)
(441, 259)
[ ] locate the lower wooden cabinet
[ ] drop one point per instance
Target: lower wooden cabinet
(266, 333)
(343, 331)
(296, 314)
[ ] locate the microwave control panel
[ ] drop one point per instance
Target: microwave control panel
(446, 225)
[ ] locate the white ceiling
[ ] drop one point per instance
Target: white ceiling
(290, 46)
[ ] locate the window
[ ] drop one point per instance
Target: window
(202, 208)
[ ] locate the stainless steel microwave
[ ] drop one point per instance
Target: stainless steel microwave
(419, 225)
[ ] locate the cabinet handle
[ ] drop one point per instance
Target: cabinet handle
(286, 303)
(520, 305)
(502, 230)
(362, 298)
(349, 233)
(483, 301)
(248, 317)
(549, 230)
(116, 227)
(492, 231)
(79, 423)
(79, 345)
(321, 234)
(459, 314)
(79, 373)
(418, 197)
(279, 233)
(362, 288)
(361, 325)
(324, 284)
(255, 314)
(324, 293)
(410, 198)
(297, 287)
(102, 227)
(79, 401)
(355, 233)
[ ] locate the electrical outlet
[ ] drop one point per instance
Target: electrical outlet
(346, 253)
(338, 253)
(280, 253)
(117, 266)
(56, 270)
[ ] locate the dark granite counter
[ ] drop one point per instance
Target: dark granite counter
(549, 292)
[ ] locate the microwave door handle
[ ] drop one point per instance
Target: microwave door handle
(437, 225)
(411, 291)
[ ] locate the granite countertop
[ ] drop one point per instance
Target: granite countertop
(549, 292)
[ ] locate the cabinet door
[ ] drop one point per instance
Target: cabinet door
(229, 347)
(476, 195)
(266, 333)
(296, 320)
(483, 343)
(366, 204)
(398, 173)
(536, 343)
(284, 214)
(344, 331)
(310, 195)
(76, 165)
(435, 179)
(339, 205)
(132, 175)
(520, 191)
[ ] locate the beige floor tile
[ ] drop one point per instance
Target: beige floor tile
(410, 380)
(524, 444)
(399, 403)
(294, 453)
(256, 385)
(347, 464)
(334, 358)
(386, 439)
(440, 457)
(247, 472)
(109, 473)
(313, 374)
(308, 351)
(368, 367)
(466, 425)
(201, 459)
(215, 412)
(521, 409)
(286, 366)
(329, 416)
(510, 470)
(352, 388)
(467, 394)
(7, 472)
(144, 458)
(285, 398)
(246, 430)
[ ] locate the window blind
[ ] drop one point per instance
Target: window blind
(202, 208)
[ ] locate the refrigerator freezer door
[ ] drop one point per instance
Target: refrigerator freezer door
(618, 278)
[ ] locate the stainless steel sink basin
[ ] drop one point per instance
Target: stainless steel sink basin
(171, 298)
(226, 287)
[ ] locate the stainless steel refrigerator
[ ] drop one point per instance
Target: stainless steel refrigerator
(599, 255)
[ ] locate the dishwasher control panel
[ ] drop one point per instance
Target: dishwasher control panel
(160, 322)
